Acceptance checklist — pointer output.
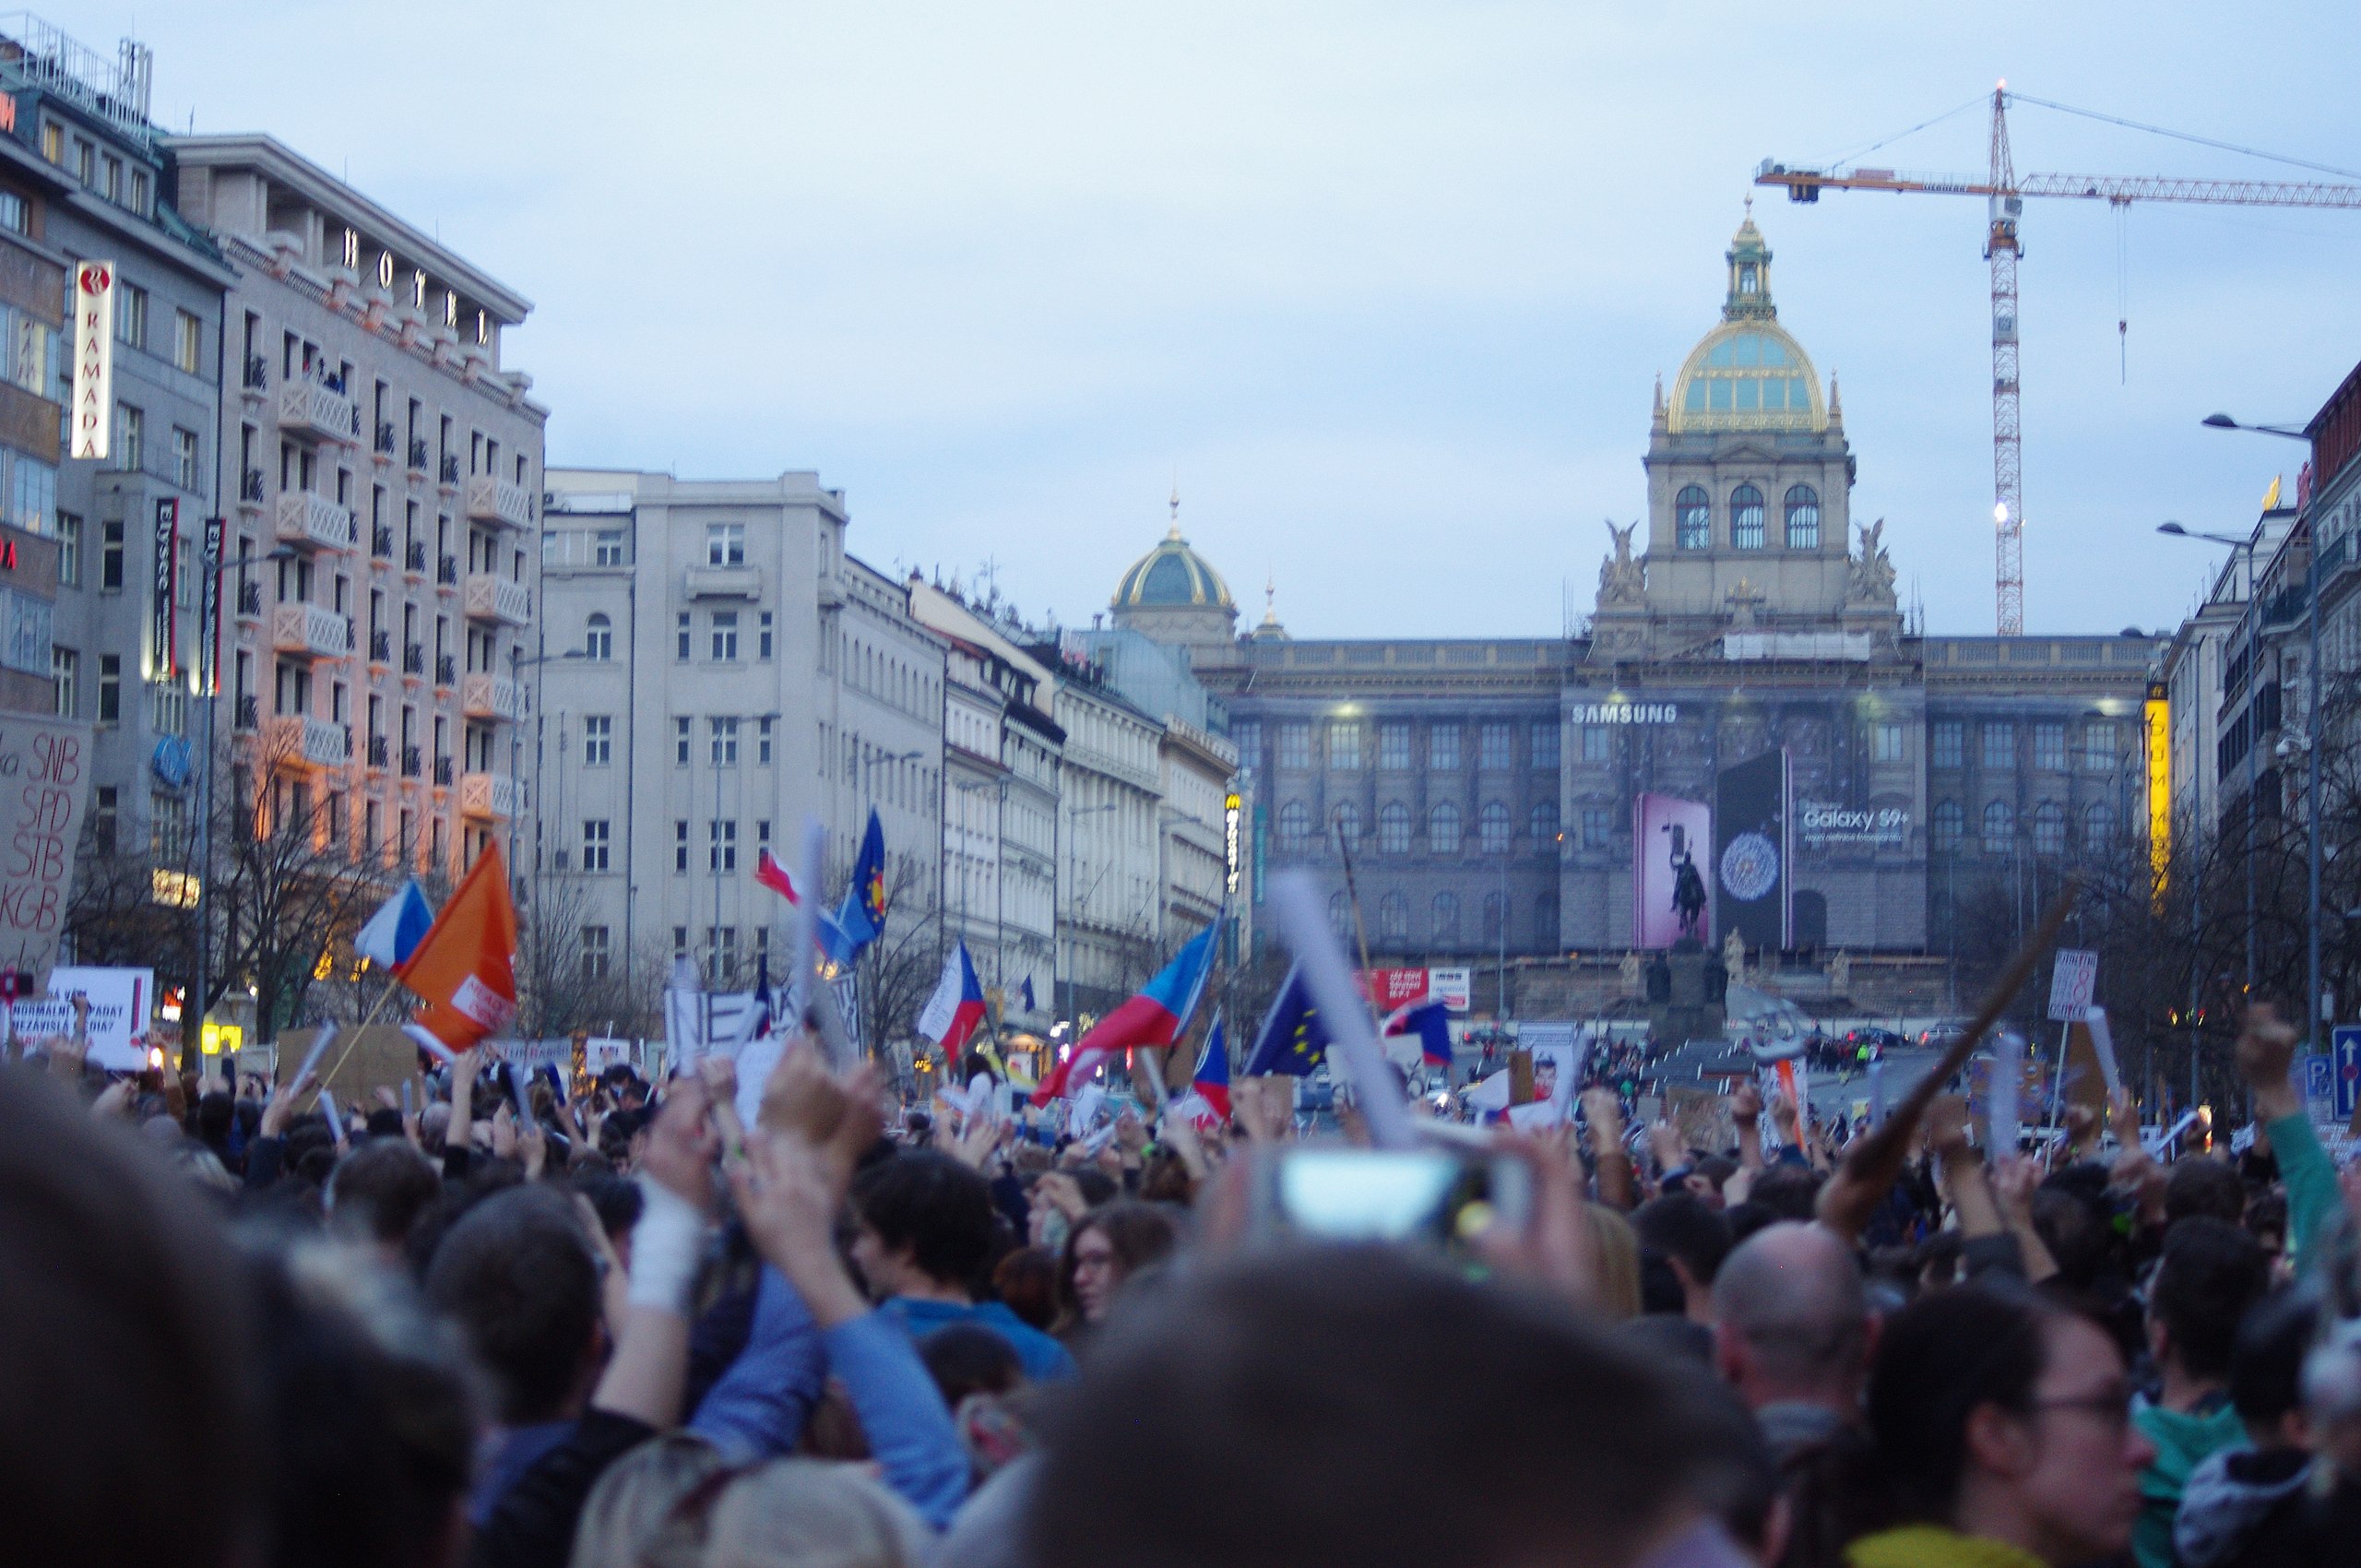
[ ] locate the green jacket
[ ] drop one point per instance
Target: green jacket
(2183, 1441)
(2312, 1198)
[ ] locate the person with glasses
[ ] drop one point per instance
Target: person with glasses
(2001, 1437)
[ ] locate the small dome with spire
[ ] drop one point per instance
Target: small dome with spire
(1172, 576)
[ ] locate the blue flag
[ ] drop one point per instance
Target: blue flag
(1293, 1040)
(1027, 993)
(869, 877)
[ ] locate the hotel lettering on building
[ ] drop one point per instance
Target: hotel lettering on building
(1747, 691)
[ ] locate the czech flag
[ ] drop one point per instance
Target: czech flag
(1153, 1018)
(957, 1005)
(1429, 1019)
(834, 940)
(394, 932)
(1211, 1080)
(465, 966)
(773, 875)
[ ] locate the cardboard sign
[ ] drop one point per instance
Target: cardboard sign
(2072, 979)
(44, 782)
(1703, 1119)
(359, 1063)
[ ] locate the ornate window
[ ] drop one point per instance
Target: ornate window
(1999, 828)
(1393, 828)
(1746, 518)
(1492, 829)
(598, 638)
(1951, 825)
(1347, 818)
(2098, 826)
(2049, 828)
(1692, 516)
(1393, 919)
(1803, 517)
(1545, 824)
(1446, 920)
(1295, 824)
(1442, 829)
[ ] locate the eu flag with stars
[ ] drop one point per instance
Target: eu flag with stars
(1293, 1040)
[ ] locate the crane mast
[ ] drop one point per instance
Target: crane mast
(2004, 196)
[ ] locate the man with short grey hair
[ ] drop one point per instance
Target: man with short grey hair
(1792, 1333)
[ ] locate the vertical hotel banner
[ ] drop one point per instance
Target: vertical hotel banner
(1754, 851)
(90, 422)
(166, 664)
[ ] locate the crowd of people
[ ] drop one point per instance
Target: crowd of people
(517, 1327)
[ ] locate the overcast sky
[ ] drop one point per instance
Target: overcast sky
(1384, 286)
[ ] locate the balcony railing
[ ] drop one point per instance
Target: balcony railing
(446, 570)
(449, 471)
(300, 738)
(443, 772)
(250, 598)
(418, 454)
(381, 542)
(409, 762)
(378, 751)
(310, 629)
(492, 499)
(413, 659)
(386, 441)
(414, 556)
(381, 647)
(491, 795)
(446, 669)
(257, 373)
(306, 518)
(307, 408)
(249, 710)
(492, 696)
(493, 597)
(250, 486)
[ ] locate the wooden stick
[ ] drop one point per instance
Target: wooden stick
(382, 997)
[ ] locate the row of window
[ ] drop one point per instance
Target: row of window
(2048, 821)
(1443, 922)
(1342, 746)
(1693, 517)
(101, 171)
(1445, 825)
(185, 465)
(187, 347)
(722, 637)
(1997, 743)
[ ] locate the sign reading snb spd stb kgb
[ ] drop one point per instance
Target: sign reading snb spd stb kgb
(1754, 850)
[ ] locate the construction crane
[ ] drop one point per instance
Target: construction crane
(2004, 194)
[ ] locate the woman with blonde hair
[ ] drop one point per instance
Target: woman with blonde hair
(1617, 1254)
(649, 1510)
(801, 1513)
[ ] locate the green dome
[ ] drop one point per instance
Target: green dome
(1172, 576)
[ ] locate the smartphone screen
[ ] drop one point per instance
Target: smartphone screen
(1348, 1195)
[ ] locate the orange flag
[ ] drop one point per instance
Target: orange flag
(465, 966)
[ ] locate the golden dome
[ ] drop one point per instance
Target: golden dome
(1748, 373)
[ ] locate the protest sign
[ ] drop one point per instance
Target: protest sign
(44, 780)
(121, 1001)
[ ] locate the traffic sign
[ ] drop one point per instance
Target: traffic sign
(2319, 1085)
(2344, 1058)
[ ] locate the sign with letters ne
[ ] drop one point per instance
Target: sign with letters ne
(2071, 980)
(44, 784)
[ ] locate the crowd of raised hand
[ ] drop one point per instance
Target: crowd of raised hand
(505, 1326)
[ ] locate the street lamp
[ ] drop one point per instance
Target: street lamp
(517, 664)
(208, 586)
(2311, 731)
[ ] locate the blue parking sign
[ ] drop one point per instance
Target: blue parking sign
(2345, 1061)
(2320, 1083)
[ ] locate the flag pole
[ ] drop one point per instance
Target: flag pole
(1360, 931)
(383, 996)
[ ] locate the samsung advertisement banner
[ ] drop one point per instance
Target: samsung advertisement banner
(1754, 851)
(1671, 842)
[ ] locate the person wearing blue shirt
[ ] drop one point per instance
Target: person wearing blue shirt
(925, 1239)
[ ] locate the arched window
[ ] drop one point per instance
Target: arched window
(1999, 828)
(1442, 829)
(1347, 818)
(1803, 517)
(1446, 918)
(1340, 919)
(1544, 824)
(2098, 826)
(1393, 828)
(1496, 916)
(598, 638)
(1746, 518)
(2049, 828)
(1692, 516)
(1295, 824)
(1545, 922)
(1393, 919)
(1492, 829)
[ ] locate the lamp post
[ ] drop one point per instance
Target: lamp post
(208, 585)
(2312, 732)
(517, 664)
(1068, 816)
